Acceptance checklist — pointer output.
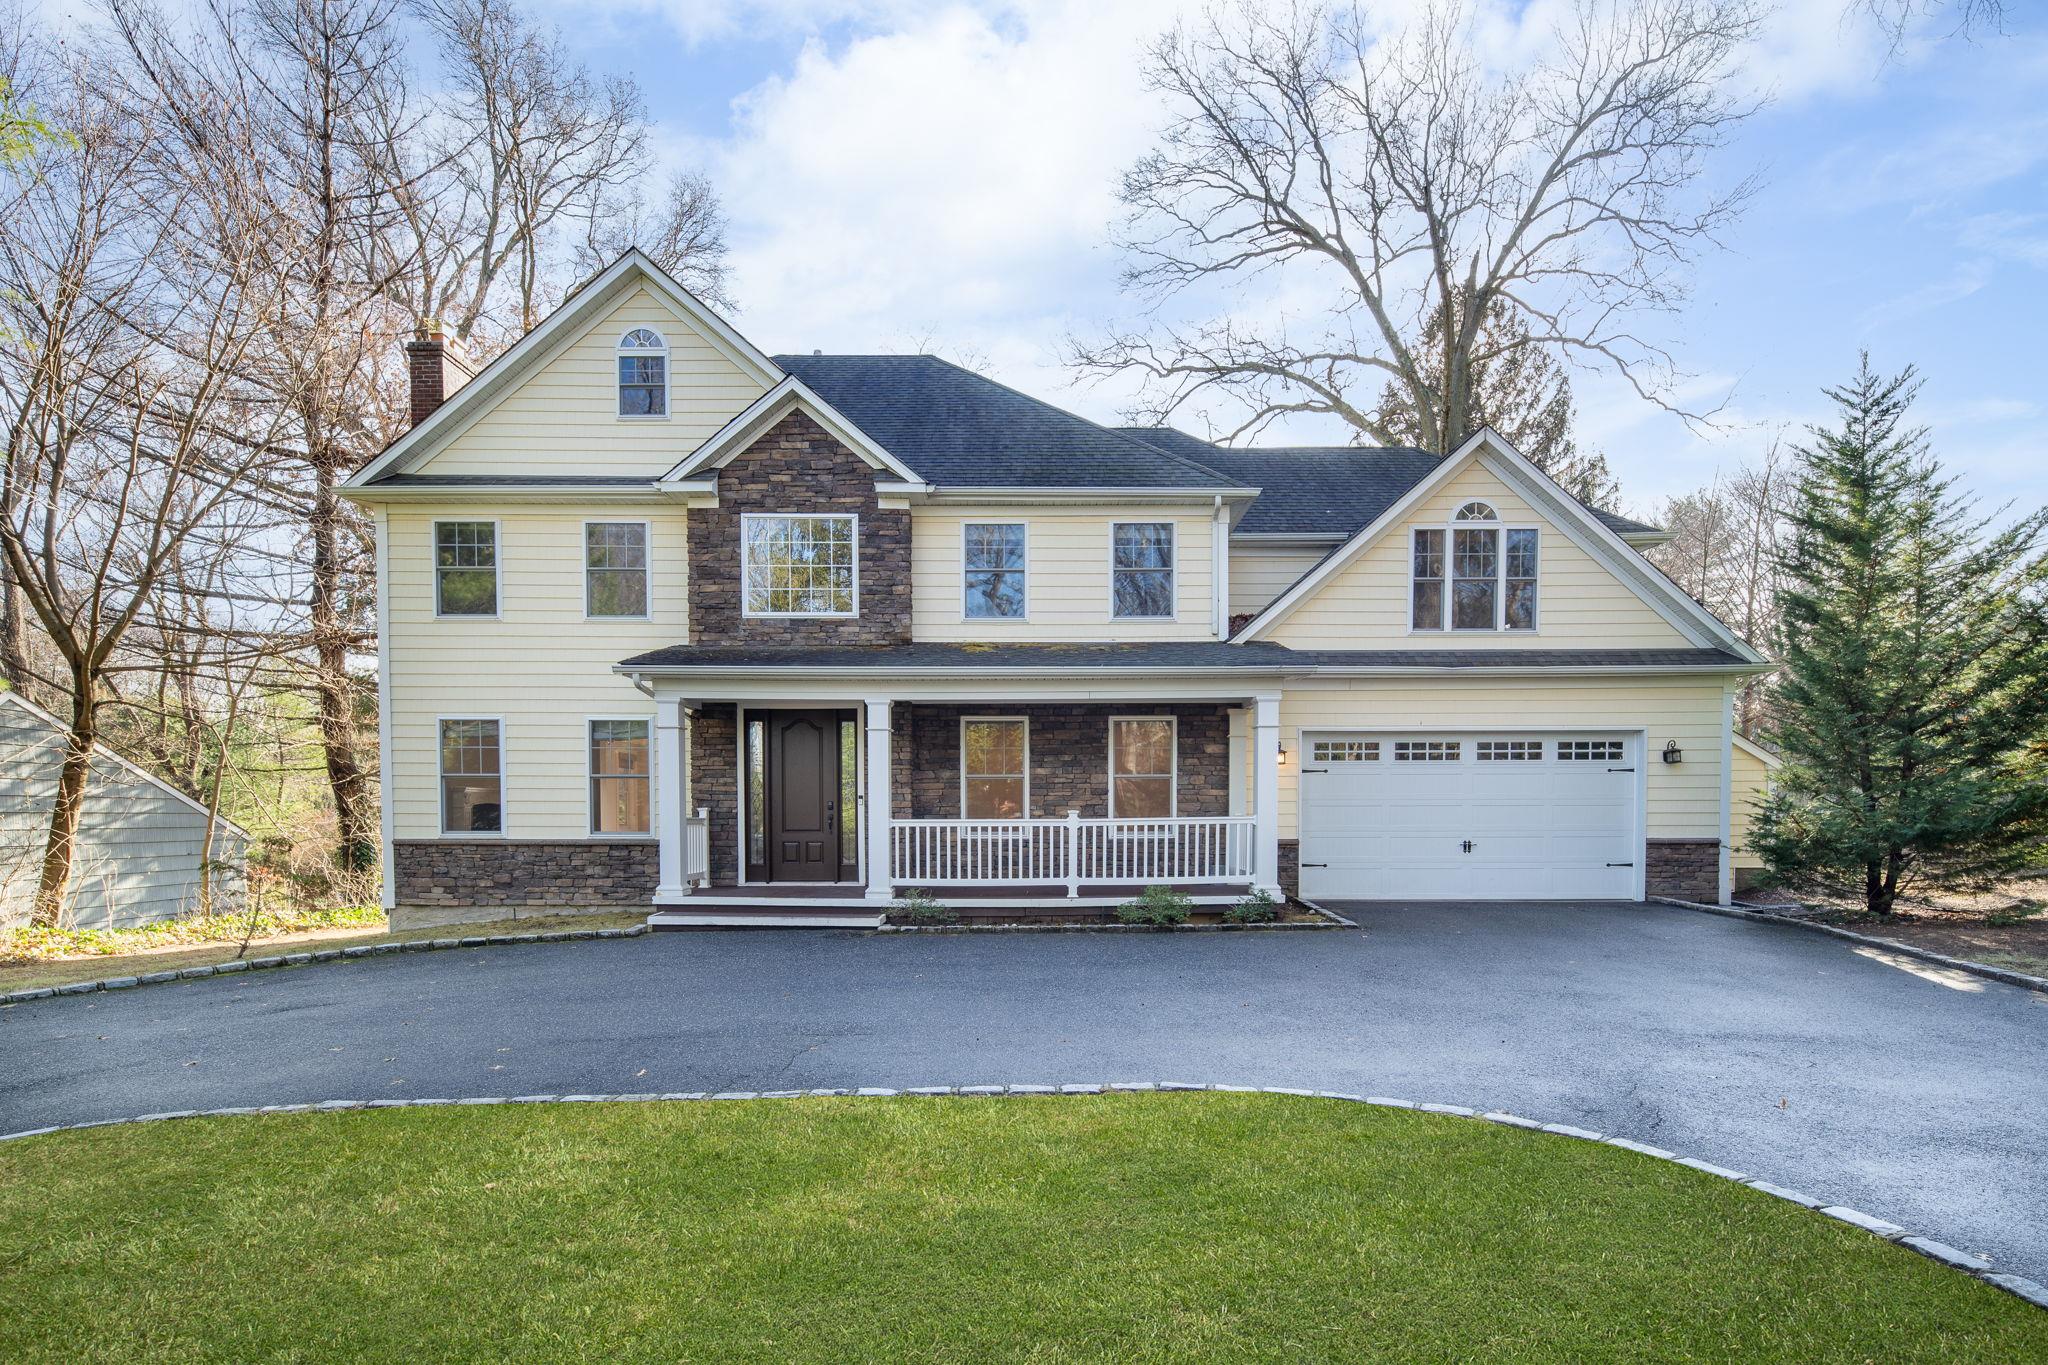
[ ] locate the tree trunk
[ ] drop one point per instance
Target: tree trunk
(1878, 891)
(357, 838)
(13, 637)
(59, 852)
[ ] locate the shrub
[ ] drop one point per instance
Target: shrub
(1260, 907)
(1158, 906)
(918, 907)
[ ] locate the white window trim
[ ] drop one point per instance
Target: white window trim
(497, 572)
(966, 526)
(590, 784)
(1500, 578)
(1172, 574)
(746, 543)
(646, 570)
(1024, 721)
(668, 376)
(1173, 773)
(441, 776)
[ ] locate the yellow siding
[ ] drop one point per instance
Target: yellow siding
(1258, 576)
(1684, 799)
(1751, 782)
(1067, 576)
(1580, 603)
(542, 667)
(563, 417)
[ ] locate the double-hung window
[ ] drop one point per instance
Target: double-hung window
(621, 801)
(615, 568)
(1141, 767)
(994, 766)
(799, 566)
(1141, 570)
(1474, 574)
(466, 568)
(472, 778)
(994, 557)
(643, 374)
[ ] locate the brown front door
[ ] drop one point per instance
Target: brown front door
(803, 796)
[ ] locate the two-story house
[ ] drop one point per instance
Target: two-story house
(666, 621)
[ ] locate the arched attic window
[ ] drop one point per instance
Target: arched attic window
(643, 374)
(1476, 511)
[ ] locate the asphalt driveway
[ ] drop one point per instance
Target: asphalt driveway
(1918, 1095)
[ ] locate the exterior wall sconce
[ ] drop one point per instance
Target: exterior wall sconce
(1283, 753)
(1672, 753)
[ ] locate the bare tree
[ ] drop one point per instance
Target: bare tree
(683, 233)
(1896, 19)
(1390, 178)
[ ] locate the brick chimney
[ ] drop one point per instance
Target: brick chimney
(438, 369)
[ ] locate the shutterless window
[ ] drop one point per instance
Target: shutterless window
(1141, 768)
(1510, 750)
(621, 798)
(1518, 611)
(465, 568)
(992, 769)
(1346, 751)
(1141, 569)
(1427, 750)
(1475, 567)
(643, 374)
(1429, 580)
(615, 568)
(994, 556)
(799, 566)
(472, 778)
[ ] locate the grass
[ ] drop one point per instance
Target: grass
(1133, 1227)
(33, 958)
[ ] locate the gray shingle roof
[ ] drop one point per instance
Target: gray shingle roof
(959, 429)
(1162, 654)
(1521, 658)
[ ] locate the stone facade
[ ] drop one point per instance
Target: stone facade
(1684, 869)
(1290, 866)
(798, 467)
(714, 785)
(430, 874)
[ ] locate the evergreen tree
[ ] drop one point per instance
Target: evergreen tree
(1915, 639)
(1517, 388)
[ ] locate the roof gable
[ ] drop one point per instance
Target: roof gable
(760, 416)
(59, 728)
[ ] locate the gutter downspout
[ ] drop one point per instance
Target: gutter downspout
(1219, 567)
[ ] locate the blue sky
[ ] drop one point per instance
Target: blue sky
(940, 175)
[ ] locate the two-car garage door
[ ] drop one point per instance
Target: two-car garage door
(1470, 815)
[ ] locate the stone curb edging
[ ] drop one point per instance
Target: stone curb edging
(257, 964)
(1984, 969)
(1975, 1266)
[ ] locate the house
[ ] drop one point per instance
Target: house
(667, 621)
(142, 843)
(1750, 777)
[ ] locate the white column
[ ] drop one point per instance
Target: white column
(670, 802)
(878, 799)
(1266, 792)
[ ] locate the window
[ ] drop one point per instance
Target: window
(615, 568)
(1591, 750)
(1346, 751)
(994, 556)
(466, 568)
(799, 566)
(994, 758)
(1475, 562)
(1427, 750)
(472, 781)
(620, 797)
(1141, 767)
(1429, 580)
(1476, 511)
(1510, 750)
(1141, 569)
(1519, 613)
(643, 374)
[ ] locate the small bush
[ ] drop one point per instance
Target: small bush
(1158, 906)
(2015, 914)
(918, 907)
(1260, 907)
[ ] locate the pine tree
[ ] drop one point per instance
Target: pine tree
(1915, 641)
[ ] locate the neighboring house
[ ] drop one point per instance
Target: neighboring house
(1752, 771)
(140, 844)
(666, 621)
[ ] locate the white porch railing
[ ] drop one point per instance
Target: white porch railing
(697, 847)
(1207, 848)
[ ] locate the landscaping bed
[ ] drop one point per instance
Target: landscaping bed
(2006, 927)
(1129, 1227)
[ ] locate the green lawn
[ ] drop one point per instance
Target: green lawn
(1128, 1227)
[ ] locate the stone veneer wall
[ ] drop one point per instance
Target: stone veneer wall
(1069, 757)
(798, 467)
(1290, 866)
(1684, 869)
(558, 873)
(715, 786)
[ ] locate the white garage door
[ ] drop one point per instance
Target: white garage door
(1478, 815)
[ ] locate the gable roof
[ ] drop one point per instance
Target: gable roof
(771, 407)
(59, 728)
(959, 429)
(504, 373)
(1570, 515)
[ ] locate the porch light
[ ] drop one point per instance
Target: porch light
(1283, 753)
(1672, 753)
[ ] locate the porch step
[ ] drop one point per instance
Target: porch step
(744, 916)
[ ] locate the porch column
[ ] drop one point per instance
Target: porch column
(1266, 792)
(671, 805)
(879, 800)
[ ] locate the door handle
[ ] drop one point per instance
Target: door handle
(1467, 845)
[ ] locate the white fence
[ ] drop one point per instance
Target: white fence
(697, 847)
(1077, 852)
